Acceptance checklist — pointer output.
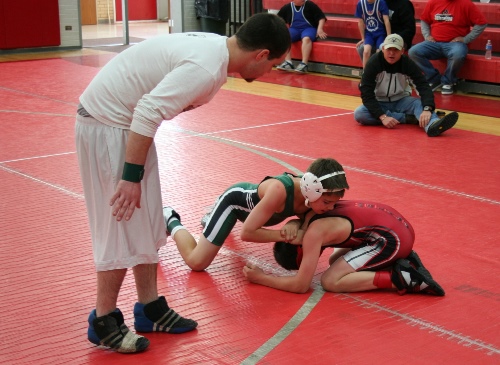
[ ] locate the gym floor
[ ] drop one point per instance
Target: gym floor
(447, 187)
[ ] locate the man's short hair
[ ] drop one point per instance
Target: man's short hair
(264, 31)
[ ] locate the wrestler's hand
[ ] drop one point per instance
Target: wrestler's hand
(252, 272)
(126, 198)
(298, 239)
(289, 230)
(321, 34)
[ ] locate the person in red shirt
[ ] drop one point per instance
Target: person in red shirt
(447, 26)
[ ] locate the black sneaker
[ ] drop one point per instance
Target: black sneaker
(157, 316)
(409, 279)
(110, 331)
(440, 113)
(411, 119)
(417, 263)
(435, 85)
(442, 125)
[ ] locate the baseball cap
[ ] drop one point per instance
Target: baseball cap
(394, 41)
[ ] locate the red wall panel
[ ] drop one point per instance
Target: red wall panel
(138, 10)
(29, 23)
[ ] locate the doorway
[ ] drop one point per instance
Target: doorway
(88, 11)
(102, 24)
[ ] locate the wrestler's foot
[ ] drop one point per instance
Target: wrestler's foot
(409, 279)
(172, 220)
(417, 263)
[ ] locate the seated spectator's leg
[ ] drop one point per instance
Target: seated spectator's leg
(456, 52)
(379, 39)
(368, 48)
(405, 107)
(367, 53)
(360, 50)
(421, 53)
(363, 116)
(295, 37)
(308, 37)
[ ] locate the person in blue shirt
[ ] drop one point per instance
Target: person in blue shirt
(373, 25)
(305, 20)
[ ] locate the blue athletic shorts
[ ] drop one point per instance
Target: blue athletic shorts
(298, 34)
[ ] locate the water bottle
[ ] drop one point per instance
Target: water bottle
(489, 48)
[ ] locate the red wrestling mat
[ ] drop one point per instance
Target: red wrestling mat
(447, 187)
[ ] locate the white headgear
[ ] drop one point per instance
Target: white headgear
(311, 186)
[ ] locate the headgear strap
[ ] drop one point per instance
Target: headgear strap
(311, 186)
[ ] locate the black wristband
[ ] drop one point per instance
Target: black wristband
(132, 172)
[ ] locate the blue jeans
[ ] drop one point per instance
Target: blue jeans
(395, 109)
(455, 52)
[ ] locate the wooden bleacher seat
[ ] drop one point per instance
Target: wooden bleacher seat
(342, 29)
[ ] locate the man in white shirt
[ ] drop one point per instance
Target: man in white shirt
(117, 119)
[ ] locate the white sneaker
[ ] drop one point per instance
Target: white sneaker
(302, 68)
(286, 66)
(447, 90)
(168, 214)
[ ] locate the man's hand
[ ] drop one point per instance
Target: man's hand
(389, 122)
(425, 117)
(126, 198)
(458, 39)
(430, 39)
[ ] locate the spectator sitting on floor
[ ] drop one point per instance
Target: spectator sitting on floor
(386, 92)
(305, 20)
(446, 27)
(402, 19)
(373, 25)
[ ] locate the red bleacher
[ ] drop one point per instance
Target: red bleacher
(342, 27)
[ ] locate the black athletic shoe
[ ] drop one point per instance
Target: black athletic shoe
(442, 125)
(409, 279)
(110, 331)
(417, 263)
(411, 119)
(435, 85)
(157, 316)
